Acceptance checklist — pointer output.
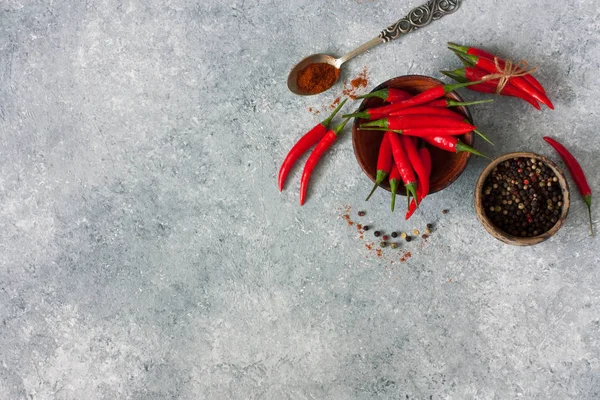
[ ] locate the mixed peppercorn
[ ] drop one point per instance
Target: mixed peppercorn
(523, 197)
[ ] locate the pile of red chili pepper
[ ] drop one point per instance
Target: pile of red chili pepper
(497, 75)
(411, 124)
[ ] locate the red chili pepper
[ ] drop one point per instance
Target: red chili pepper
(423, 189)
(320, 149)
(440, 112)
(402, 162)
(577, 174)
(451, 144)
(308, 140)
(429, 110)
(410, 147)
(395, 179)
(482, 53)
(420, 122)
(422, 98)
(390, 95)
(422, 132)
(516, 81)
(475, 74)
(384, 163)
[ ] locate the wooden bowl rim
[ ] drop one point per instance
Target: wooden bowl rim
(453, 95)
(499, 233)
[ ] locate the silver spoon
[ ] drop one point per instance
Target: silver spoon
(416, 18)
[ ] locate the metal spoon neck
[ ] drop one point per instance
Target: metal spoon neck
(359, 50)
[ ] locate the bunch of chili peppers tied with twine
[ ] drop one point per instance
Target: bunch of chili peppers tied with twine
(412, 123)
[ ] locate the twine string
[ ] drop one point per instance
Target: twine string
(510, 70)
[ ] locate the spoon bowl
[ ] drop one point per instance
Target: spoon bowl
(292, 81)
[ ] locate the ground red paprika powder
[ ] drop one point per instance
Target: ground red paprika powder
(316, 78)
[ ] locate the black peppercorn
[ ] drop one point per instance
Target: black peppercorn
(377, 233)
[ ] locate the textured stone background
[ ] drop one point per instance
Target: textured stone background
(146, 253)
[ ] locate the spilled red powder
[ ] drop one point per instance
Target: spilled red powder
(346, 215)
(369, 246)
(351, 88)
(335, 103)
(405, 256)
(379, 252)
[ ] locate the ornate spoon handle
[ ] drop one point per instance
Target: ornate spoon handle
(419, 17)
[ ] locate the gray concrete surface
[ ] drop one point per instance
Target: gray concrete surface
(146, 253)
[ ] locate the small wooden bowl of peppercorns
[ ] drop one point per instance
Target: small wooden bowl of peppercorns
(522, 198)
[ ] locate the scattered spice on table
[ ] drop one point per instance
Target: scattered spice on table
(316, 78)
(361, 213)
(351, 88)
(518, 208)
(446, 211)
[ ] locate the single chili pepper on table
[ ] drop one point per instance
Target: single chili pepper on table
(390, 95)
(419, 122)
(404, 168)
(473, 74)
(423, 189)
(384, 164)
(308, 140)
(410, 147)
(516, 81)
(419, 99)
(312, 161)
(482, 53)
(394, 181)
(577, 174)
(451, 144)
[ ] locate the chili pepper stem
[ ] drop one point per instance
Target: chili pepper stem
(382, 94)
(460, 146)
(452, 103)
(454, 86)
(411, 190)
(456, 47)
(327, 121)
(394, 188)
(456, 76)
(378, 179)
(481, 135)
(361, 114)
(341, 126)
(381, 123)
(588, 203)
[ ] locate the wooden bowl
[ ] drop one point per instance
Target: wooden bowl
(446, 167)
(499, 233)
